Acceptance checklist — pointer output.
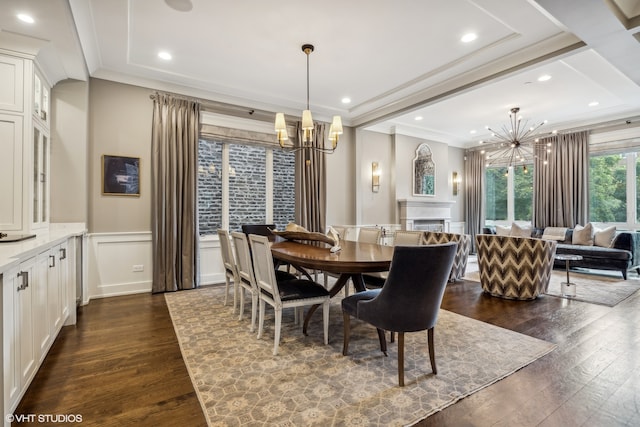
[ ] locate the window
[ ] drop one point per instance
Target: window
(250, 173)
(608, 187)
(509, 194)
(496, 194)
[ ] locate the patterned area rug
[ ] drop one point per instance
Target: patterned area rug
(240, 382)
(603, 289)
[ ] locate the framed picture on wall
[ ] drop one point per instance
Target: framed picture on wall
(120, 175)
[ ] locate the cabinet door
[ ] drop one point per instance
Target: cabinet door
(11, 172)
(40, 309)
(11, 84)
(24, 323)
(40, 193)
(10, 347)
(64, 278)
(53, 290)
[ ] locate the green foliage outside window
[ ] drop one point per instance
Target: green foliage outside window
(607, 188)
(523, 194)
(496, 194)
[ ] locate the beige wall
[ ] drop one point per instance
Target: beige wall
(69, 151)
(119, 124)
(376, 208)
(340, 181)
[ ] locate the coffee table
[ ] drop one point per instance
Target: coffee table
(568, 289)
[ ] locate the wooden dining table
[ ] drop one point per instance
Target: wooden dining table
(354, 259)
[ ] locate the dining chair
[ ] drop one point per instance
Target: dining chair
(369, 235)
(246, 277)
(290, 293)
(259, 229)
(409, 301)
(230, 271)
(400, 238)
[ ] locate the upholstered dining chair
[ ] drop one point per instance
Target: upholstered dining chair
(290, 293)
(369, 235)
(409, 301)
(230, 271)
(400, 238)
(246, 278)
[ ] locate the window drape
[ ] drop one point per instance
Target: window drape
(311, 189)
(561, 196)
(474, 214)
(174, 175)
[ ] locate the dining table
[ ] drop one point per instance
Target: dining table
(350, 262)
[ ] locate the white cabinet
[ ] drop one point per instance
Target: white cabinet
(11, 135)
(23, 330)
(37, 294)
(25, 136)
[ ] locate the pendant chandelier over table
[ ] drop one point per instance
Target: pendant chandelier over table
(307, 124)
(517, 144)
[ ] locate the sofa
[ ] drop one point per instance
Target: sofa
(623, 254)
(516, 268)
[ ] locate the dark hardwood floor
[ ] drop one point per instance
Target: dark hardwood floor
(121, 365)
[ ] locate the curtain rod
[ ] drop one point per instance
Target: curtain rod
(228, 109)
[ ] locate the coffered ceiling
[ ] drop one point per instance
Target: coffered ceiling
(395, 60)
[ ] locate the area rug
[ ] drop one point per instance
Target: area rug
(603, 289)
(240, 382)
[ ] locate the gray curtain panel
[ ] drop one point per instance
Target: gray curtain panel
(474, 182)
(561, 193)
(174, 180)
(311, 188)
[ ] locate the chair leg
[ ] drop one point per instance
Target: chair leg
(347, 331)
(325, 321)
(276, 339)
(241, 291)
(383, 341)
(392, 336)
(261, 320)
(226, 289)
(432, 353)
(254, 311)
(401, 359)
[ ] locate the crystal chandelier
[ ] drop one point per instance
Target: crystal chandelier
(307, 123)
(517, 144)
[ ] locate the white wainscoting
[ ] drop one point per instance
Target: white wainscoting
(112, 257)
(457, 227)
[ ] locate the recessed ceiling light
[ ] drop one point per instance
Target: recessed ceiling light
(544, 78)
(472, 131)
(26, 18)
(469, 37)
(346, 100)
(593, 103)
(164, 55)
(418, 118)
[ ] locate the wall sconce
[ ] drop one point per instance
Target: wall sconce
(375, 177)
(456, 180)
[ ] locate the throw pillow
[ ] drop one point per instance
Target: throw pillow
(554, 233)
(502, 231)
(604, 237)
(583, 235)
(518, 231)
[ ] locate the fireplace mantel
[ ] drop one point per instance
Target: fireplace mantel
(421, 214)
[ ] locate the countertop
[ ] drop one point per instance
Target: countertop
(12, 254)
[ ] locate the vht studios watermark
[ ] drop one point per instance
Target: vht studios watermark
(44, 418)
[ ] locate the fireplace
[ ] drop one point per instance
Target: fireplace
(425, 215)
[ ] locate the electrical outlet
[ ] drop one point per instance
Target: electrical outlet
(138, 267)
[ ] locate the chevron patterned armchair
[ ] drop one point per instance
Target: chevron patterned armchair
(462, 253)
(514, 267)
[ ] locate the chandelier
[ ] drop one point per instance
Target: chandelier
(517, 144)
(307, 123)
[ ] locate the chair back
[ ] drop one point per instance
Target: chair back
(410, 299)
(263, 266)
(259, 229)
(227, 254)
(369, 235)
(408, 238)
(243, 258)
(341, 230)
